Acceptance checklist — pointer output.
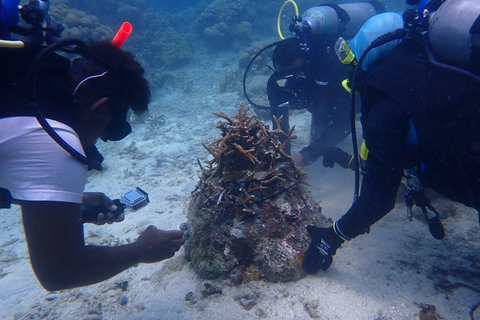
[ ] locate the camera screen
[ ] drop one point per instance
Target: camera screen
(133, 197)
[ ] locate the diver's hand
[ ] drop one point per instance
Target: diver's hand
(100, 209)
(336, 155)
(320, 251)
(155, 245)
(298, 159)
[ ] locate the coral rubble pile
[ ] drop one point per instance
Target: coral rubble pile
(248, 213)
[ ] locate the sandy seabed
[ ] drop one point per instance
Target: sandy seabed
(387, 274)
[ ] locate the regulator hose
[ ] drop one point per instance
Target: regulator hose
(246, 73)
(32, 80)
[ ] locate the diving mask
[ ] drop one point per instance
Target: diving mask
(294, 79)
(343, 51)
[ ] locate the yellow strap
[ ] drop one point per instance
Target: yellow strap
(346, 87)
(339, 233)
(364, 151)
(349, 54)
(350, 162)
(349, 58)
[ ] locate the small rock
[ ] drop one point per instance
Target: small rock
(95, 310)
(247, 300)
(260, 313)
(311, 307)
(189, 296)
(123, 300)
(2, 274)
(51, 298)
(428, 312)
(211, 289)
(8, 256)
(122, 285)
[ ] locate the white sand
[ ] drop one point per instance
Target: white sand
(382, 275)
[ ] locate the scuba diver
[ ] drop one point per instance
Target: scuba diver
(308, 75)
(426, 88)
(52, 113)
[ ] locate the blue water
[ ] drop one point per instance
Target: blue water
(172, 6)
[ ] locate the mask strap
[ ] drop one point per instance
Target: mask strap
(88, 78)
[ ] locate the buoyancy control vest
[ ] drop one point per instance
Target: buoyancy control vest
(16, 95)
(51, 91)
(444, 107)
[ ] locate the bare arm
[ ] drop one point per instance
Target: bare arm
(60, 258)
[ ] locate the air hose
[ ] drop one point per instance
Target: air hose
(388, 37)
(32, 80)
(252, 60)
(246, 72)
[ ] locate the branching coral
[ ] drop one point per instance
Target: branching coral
(249, 165)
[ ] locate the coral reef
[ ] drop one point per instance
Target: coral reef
(261, 62)
(157, 41)
(172, 47)
(223, 22)
(78, 24)
(160, 44)
(247, 215)
(227, 11)
(111, 9)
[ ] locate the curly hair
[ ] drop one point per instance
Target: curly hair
(127, 86)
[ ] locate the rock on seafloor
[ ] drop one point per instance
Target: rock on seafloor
(247, 215)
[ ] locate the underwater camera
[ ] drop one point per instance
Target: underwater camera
(133, 200)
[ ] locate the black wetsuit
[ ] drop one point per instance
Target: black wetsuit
(444, 108)
(322, 94)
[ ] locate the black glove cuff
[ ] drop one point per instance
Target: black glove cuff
(326, 238)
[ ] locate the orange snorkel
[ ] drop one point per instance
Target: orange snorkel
(122, 34)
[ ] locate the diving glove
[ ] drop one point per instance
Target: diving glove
(336, 155)
(324, 245)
